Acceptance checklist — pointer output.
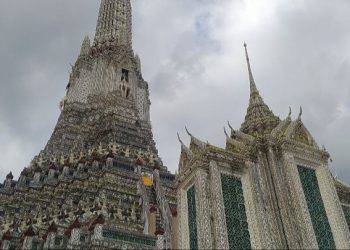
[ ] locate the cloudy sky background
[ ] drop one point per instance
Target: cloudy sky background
(192, 56)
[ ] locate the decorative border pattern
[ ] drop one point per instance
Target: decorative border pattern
(235, 212)
(203, 210)
(192, 217)
(219, 221)
(346, 211)
(316, 208)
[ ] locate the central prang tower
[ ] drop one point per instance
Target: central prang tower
(99, 182)
(107, 98)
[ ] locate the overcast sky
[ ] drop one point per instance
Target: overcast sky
(192, 56)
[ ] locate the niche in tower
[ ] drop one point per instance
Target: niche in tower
(125, 75)
(124, 86)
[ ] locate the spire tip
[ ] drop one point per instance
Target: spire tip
(229, 124)
(290, 112)
(300, 113)
(179, 138)
(188, 132)
(226, 132)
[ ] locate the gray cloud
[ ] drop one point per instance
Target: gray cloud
(192, 56)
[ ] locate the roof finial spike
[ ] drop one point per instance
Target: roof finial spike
(179, 138)
(229, 124)
(188, 132)
(290, 113)
(300, 113)
(253, 88)
(227, 136)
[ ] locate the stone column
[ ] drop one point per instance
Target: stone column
(286, 207)
(333, 208)
(174, 232)
(27, 243)
(183, 232)
(74, 240)
(152, 222)
(218, 209)
(50, 241)
(261, 194)
(180, 214)
(6, 244)
(250, 205)
(97, 235)
(203, 210)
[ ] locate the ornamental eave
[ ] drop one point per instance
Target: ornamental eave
(305, 151)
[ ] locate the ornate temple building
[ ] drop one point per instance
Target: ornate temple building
(99, 182)
(269, 188)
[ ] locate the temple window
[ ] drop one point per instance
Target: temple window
(125, 75)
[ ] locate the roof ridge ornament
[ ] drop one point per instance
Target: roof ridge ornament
(233, 131)
(179, 138)
(290, 113)
(300, 113)
(229, 124)
(194, 139)
(188, 132)
(227, 136)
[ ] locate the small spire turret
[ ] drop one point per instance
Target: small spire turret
(9, 176)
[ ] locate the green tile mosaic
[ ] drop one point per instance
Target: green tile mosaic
(316, 208)
(236, 218)
(346, 211)
(192, 218)
(122, 236)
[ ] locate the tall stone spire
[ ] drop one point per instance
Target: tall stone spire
(114, 23)
(253, 89)
(259, 117)
(112, 84)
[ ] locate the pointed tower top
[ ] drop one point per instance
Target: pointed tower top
(253, 88)
(114, 23)
(259, 117)
(85, 47)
